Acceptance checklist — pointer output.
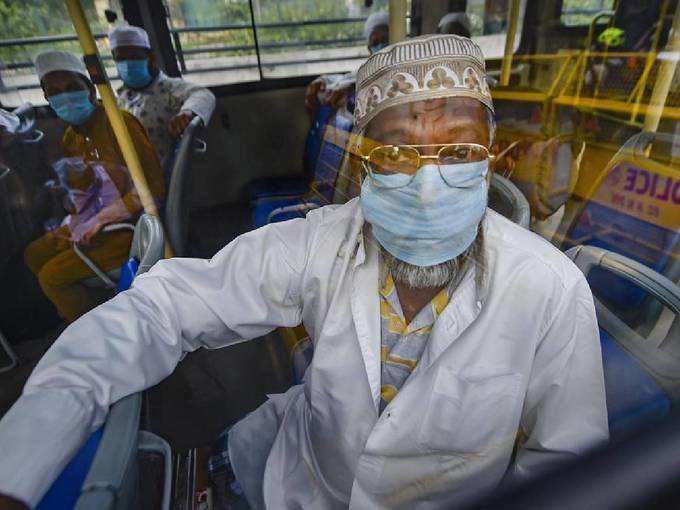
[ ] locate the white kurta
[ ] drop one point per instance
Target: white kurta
(158, 103)
(525, 355)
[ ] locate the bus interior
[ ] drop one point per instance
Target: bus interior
(587, 100)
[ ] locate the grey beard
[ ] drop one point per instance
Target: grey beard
(417, 277)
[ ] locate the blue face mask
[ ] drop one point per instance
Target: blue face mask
(427, 221)
(377, 47)
(134, 73)
(72, 107)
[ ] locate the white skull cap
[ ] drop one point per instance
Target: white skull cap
(425, 67)
(49, 61)
(455, 17)
(129, 35)
(375, 20)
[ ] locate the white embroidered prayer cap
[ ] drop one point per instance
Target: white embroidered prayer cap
(375, 20)
(425, 67)
(129, 35)
(53, 60)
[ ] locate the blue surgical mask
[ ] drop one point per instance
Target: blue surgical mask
(427, 221)
(377, 47)
(134, 73)
(72, 107)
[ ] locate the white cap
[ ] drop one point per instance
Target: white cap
(455, 17)
(49, 61)
(128, 35)
(375, 20)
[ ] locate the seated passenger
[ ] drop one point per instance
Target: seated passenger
(442, 331)
(89, 138)
(164, 105)
(332, 89)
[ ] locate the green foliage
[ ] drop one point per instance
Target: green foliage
(581, 12)
(32, 18)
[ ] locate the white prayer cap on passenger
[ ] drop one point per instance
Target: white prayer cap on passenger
(455, 17)
(375, 20)
(49, 61)
(417, 69)
(128, 35)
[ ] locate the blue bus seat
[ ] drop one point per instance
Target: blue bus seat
(65, 491)
(271, 187)
(642, 381)
(630, 210)
(330, 157)
(127, 274)
(633, 397)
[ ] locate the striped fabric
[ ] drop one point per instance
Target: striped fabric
(402, 344)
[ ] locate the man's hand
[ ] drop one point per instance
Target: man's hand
(337, 98)
(312, 94)
(7, 503)
(91, 232)
(179, 122)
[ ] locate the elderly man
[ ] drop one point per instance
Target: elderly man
(164, 105)
(101, 191)
(442, 331)
(332, 89)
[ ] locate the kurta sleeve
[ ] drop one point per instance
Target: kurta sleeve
(195, 99)
(565, 414)
(136, 339)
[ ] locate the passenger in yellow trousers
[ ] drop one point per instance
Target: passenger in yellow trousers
(100, 189)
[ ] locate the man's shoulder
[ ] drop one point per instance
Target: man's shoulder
(519, 248)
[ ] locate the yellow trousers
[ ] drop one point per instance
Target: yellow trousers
(60, 271)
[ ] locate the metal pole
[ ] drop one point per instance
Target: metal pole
(513, 17)
(114, 115)
(664, 77)
(257, 44)
(397, 20)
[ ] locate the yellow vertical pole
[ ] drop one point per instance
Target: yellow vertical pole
(664, 77)
(513, 20)
(397, 20)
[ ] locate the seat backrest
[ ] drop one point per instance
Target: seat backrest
(632, 209)
(332, 150)
(147, 243)
(111, 481)
(642, 377)
(177, 201)
(506, 199)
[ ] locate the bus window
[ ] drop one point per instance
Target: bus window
(579, 12)
(29, 28)
(218, 44)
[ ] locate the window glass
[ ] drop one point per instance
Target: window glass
(489, 25)
(33, 26)
(581, 12)
(216, 42)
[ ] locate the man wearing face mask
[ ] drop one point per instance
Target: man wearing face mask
(164, 105)
(102, 182)
(452, 348)
(332, 89)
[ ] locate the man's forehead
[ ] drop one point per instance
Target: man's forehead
(56, 78)
(461, 109)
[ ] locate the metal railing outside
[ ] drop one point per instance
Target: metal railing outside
(180, 52)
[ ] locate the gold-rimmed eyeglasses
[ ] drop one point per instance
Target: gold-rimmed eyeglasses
(405, 160)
